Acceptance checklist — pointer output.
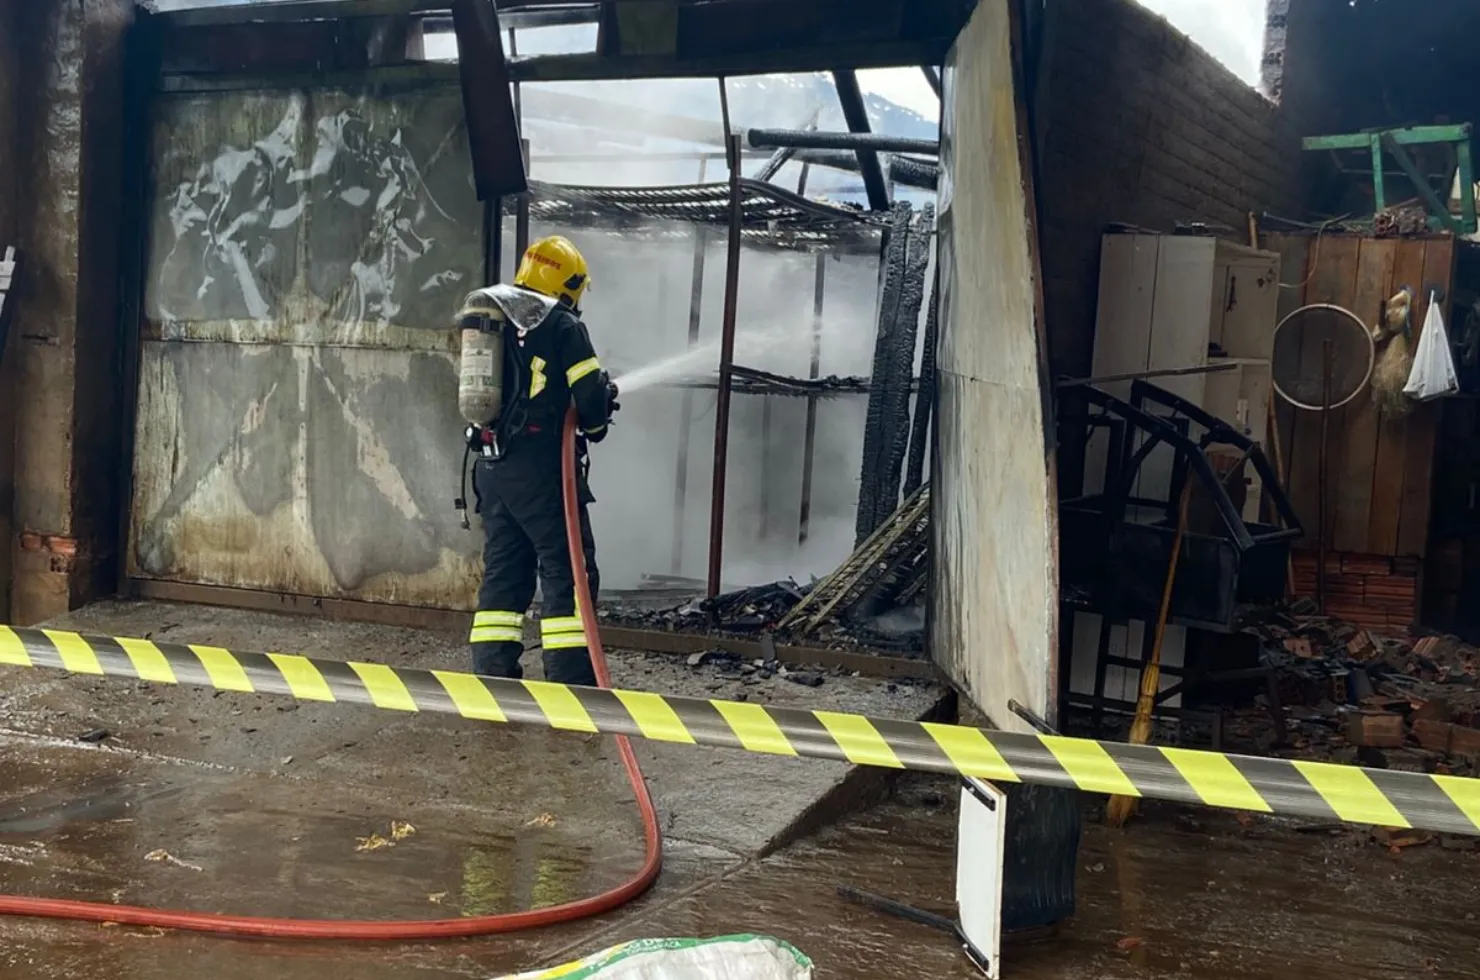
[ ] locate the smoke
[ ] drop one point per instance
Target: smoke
(901, 622)
(637, 310)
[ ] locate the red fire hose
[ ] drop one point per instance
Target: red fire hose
(245, 925)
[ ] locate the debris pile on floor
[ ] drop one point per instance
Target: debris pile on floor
(755, 609)
(1354, 697)
(873, 600)
(727, 667)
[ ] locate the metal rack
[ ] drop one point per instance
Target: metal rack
(1116, 544)
(1372, 149)
(760, 215)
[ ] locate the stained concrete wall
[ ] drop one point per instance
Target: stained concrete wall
(1138, 124)
(61, 62)
(305, 254)
(994, 597)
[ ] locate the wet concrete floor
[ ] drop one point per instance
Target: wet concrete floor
(1175, 895)
(230, 804)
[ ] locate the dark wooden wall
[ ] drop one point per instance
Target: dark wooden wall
(1379, 470)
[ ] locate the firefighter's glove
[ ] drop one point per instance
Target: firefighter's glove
(612, 407)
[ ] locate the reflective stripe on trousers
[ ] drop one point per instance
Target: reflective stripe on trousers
(562, 633)
(497, 626)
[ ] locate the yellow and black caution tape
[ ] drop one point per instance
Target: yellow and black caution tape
(1310, 789)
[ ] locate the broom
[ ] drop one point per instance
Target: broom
(1121, 808)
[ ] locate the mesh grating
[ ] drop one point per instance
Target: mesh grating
(771, 217)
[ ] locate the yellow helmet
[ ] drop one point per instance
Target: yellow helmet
(554, 267)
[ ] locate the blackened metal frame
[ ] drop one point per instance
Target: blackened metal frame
(1126, 454)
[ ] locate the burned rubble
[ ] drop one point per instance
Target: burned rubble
(873, 601)
(1351, 696)
(763, 610)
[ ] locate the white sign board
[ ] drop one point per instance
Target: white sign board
(980, 845)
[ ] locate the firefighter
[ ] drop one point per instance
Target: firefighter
(548, 364)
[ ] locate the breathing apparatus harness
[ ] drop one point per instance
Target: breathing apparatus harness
(492, 319)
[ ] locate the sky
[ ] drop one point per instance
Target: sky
(1230, 30)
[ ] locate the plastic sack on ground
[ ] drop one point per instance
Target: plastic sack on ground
(1433, 374)
(725, 958)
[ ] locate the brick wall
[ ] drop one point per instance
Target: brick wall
(1139, 125)
(1371, 591)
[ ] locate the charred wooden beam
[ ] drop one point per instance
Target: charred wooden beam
(740, 37)
(851, 98)
(281, 11)
(435, 14)
(768, 139)
(900, 170)
(797, 58)
(313, 46)
(676, 39)
(493, 126)
(522, 18)
(933, 77)
(190, 67)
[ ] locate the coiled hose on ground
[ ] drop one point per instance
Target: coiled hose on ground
(263, 926)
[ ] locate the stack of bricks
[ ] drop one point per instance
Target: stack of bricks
(1376, 592)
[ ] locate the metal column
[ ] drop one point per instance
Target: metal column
(686, 414)
(521, 216)
(809, 443)
(726, 370)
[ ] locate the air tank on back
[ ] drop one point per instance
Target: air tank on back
(480, 373)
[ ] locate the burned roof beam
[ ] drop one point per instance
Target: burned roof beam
(779, 60)
(295, 10)
(352, 44)
(933, 77)
(488, 103)
(680, 39)
(435, 15)
(526, 18)
(770, 139)
(773, 166)
(260, 56)
(783, 154)
(901, 170)
(686, 39)
(851, 98)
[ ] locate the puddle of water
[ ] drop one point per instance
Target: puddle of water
(101, 800)
(1175, 895)
(1205, 899)
(253, 844)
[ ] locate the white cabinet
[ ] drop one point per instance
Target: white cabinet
(1173, 302)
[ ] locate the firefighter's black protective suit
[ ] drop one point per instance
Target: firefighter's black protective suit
(519, 496)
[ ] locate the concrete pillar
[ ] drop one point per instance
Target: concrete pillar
(60, 194)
